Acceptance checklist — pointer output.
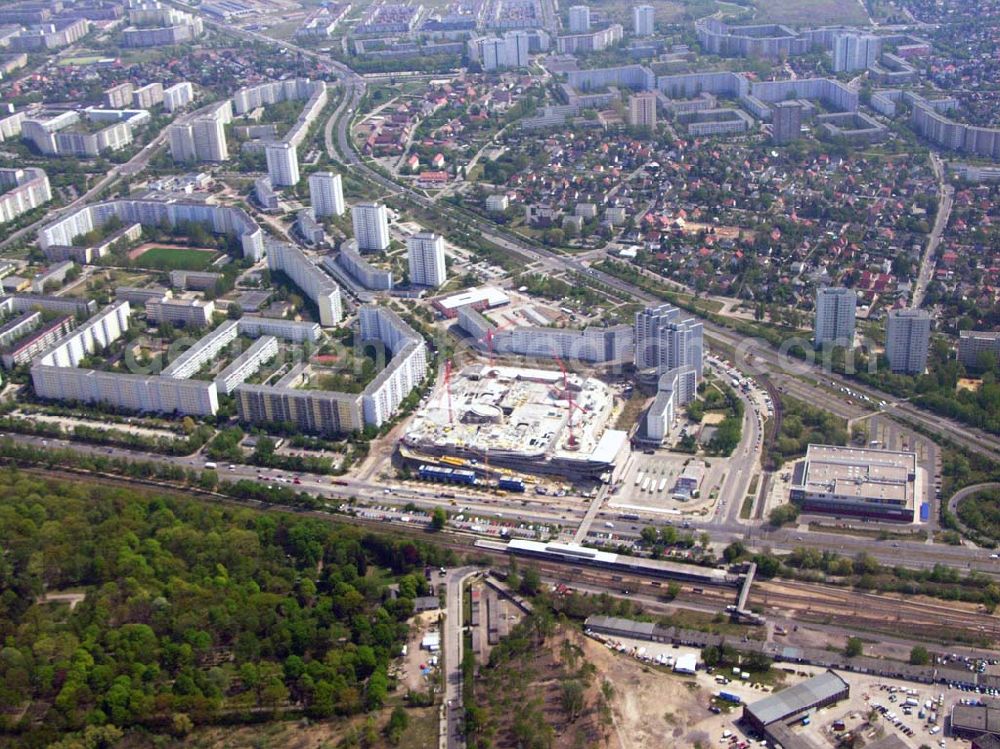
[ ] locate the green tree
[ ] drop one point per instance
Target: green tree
(783, 515)
(919, 656)
(439, 519)
(398, 722)
(531, 582)
(854, 647)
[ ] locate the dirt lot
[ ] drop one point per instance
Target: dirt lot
(410, 676)
(652, 708)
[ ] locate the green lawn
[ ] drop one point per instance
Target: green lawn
(173, 258)
(810, 12)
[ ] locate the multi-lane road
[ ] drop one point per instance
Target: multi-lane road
(754, 355)
(568, 512)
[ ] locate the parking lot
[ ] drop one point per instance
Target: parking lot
(650, 479)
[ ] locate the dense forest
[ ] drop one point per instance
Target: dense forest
(191, 612)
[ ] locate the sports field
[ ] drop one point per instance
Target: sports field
(176, 258)
(811, 12)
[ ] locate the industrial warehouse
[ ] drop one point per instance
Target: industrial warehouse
(533, 420)
(975, 721)
(772, 715)
(858, 482)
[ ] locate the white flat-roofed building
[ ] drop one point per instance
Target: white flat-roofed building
(287, 330)
(156, 26)
(642, 110)
(188, 312)
(311, 230)
(425, 255)
(675, 388)
(976, 347)
(246, 364)
(48, 36)
(852, 51)
(404, 371)
(148, 96)
(366, 274)
(10, 125)
(371, 226)
(133, 392)
(264, 192)
(219, 219)
(664, 341)
(836, 308)
(23, 191)
(858, 482)
(517, 48)
(328, 412)
(497, 203)
(282, 163)
(62, 135)
(19, 327)
(37, 341)
(139, 295)
(481, 297)
(119, 97)
(907, 340)
(311, 411)
(61, 304)
(202, 352)
(55, 275)
(201, 139)
(177, 96)
(594, 344)
(313, 281)
(99, 332)
(643, 20)
(261, 95)
(579, 19)
(326, 193)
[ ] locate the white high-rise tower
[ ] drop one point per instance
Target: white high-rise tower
(326, 193)
(371, 226)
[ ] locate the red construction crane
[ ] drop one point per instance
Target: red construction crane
(562, 366)
(489, 343)
(447, 387)
(572, 405)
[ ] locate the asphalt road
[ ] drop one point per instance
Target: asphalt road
(754, 356)
(453, 634)
(527, 508)
(947, 193)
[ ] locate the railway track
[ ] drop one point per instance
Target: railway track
(871, 611)
(789, 598)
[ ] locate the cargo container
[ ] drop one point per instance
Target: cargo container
(511, 484)
(730, 697)
(447, 475)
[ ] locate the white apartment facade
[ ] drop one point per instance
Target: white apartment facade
(326, 193)
(371, 226)
(425, 255)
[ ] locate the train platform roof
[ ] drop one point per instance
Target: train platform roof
(659, 567)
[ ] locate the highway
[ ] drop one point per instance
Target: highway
(753, 355)
(355, 495)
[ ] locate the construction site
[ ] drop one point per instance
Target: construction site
(489, 418)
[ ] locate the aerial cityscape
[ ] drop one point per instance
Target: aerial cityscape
(474, 374)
